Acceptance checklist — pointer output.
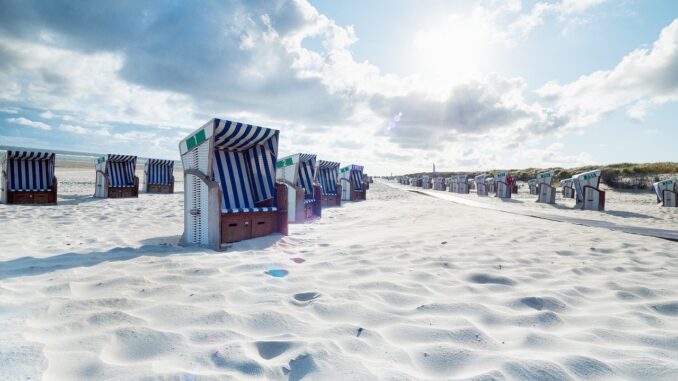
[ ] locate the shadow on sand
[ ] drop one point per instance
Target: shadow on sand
(152, 247)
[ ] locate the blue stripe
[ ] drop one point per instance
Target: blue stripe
(222, 178)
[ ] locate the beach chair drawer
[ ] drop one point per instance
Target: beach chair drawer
(40, 198)
(158, 188)
(236, 227)
(23, 198)
(263, 224)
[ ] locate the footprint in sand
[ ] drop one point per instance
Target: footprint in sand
(306, 296)
(271, 349)
(298, 260)
(278, 273)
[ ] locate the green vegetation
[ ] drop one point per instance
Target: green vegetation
(619, 176)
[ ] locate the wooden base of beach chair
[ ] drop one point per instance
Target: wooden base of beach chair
(163, 189)
(33, 197)
(242, 226)
(670, 198)
(328, 201)
(568, 192)
(514, 188)
(594, 199)
(358, 195)
(546, 194)
(305, 211)
(123, 192)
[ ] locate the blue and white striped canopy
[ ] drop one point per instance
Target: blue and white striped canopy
(328, 175)
(160, 171)
(29, 171)
(120, 169)
(357, 176)
(306, 172)
(245, 158)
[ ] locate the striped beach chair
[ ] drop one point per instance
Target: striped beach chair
(666, 191)
(230, 192)
(328, 177)
(491, 188)
(459, 184)
(503, 188)
(587, 191)
(352, 183)
(115, 176)
(546, 193)
(425, 182)
(439, 183)
(481, 185)
(159, 176)
(27, 177)
(567, 186)
(532, 184)
(298, 173)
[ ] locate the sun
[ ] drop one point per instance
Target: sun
(455, 51)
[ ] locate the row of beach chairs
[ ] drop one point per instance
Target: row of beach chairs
(235, 186)
(584, 187)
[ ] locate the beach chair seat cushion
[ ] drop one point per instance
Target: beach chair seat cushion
(249, 210)
(309, 200)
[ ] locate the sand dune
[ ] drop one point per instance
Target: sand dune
(402, 286)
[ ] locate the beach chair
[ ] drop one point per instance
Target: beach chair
(587, 191)
(298, 173)
(481, 185)
(471, 184)
(568, 188)
(158, 176)
(489, 181)
(368, 180)
(27, 177)
(352, 183)
(328, 177)
(532, 184)
(439, 183)
(230, 192)
(667, 192)
(425, 182)
(460, 184)
(546, 193)
(501, 183)
(115, 177)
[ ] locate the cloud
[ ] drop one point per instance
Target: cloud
(73, 129)
(47, 115)
(644, 77)
(29, 123)
(493, 106)
(565, 11)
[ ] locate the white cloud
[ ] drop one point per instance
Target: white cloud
(644, 77)
(73, 129)
(565, 11)
(47, 115)
(29, 123)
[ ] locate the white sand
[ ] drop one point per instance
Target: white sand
(402, 286)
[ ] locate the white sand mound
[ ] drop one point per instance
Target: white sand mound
(402, 286)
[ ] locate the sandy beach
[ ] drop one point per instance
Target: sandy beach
(399, 287)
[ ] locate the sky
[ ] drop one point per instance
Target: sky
(394, 85)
